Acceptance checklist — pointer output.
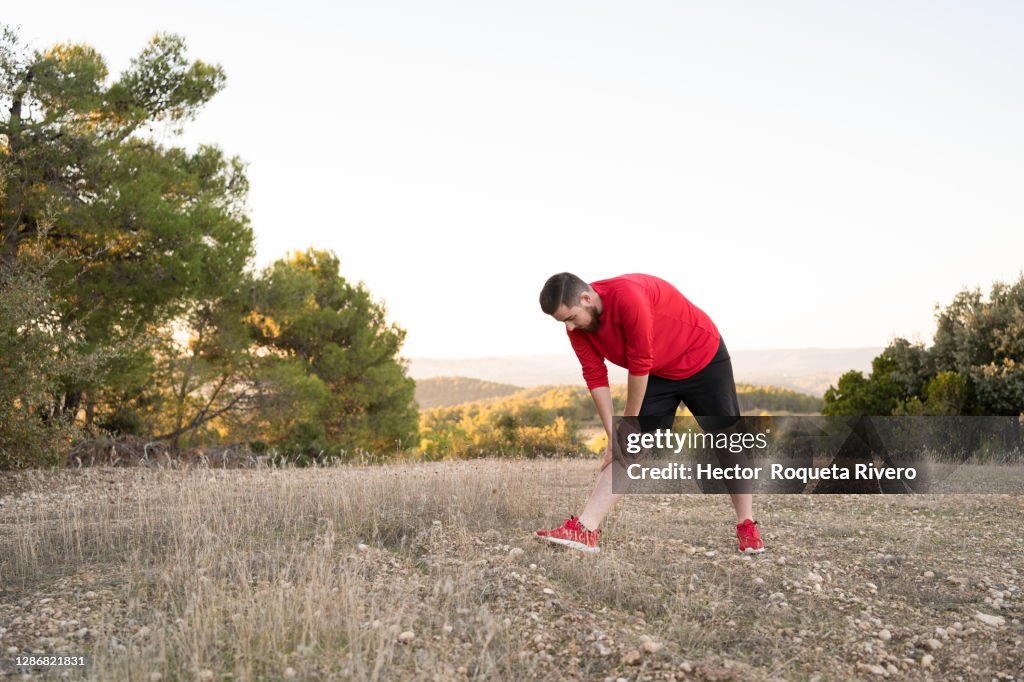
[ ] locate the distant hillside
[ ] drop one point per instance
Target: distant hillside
(544, 420)
(776, 400)
(808, 370)
(753, 399)
(447, 391)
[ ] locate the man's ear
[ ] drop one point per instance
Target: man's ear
(586, 298)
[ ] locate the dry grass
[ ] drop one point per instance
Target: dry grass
(259, 574)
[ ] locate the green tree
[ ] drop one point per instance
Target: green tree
(946, 394)
(975, 365)
(334, 355)
(202, 380)
(983, 341)
(147, 231)
(877, 394)
(37, 355)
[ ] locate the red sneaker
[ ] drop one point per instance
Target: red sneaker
(750, 537)
(572, 534)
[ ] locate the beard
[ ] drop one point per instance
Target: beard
(595, 318)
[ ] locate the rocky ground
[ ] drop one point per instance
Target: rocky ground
(429, 572)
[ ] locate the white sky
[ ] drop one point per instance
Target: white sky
(811, 174)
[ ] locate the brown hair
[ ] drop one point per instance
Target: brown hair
(561, 289)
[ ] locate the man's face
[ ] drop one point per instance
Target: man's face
(583, 316)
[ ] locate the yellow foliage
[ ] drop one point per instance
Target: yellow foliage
(545, 420)
(267, 326)
(598, 443)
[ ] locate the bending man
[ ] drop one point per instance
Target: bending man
(673, 352)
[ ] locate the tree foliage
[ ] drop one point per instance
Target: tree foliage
(147, 318)
(974, 366)
(530, 423)
(332, 351)
(144, 231)
(37, 355)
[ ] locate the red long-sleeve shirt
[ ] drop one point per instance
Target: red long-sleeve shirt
(648, 327)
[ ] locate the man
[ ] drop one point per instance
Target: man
(673, 352)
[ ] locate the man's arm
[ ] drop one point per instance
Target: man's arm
(602, 396)
(636, 387)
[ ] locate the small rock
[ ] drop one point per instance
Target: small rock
(711, 553)
(548, 590)
(361, 547)
(289, 673)
(987, 619)
(631, 657)
(814, 577)
(872, 669)
(652, 647)
(929, 574)
(686, 667)
(206, 675)
(155, 677)
(515, 551)
(933, 644)
(884, 635)
(12, 650)
(926, 661)
(90, 595)
(407, 636)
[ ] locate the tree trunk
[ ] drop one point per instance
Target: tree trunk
(90, 410)
(72, 402)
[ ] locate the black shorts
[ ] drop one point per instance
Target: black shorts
(710, 395)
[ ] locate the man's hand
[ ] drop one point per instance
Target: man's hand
(618, 447)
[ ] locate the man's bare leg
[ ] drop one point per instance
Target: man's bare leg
(601, 501)
(743, 503)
